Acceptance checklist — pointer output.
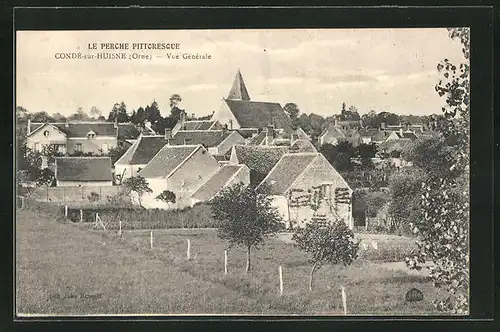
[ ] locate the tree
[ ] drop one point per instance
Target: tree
(326, 243)
(444, 228)
(94, 112)
(339, 155)
(41, 117)
(119, 113)
(117, 152)
(370, 120)
(245, 217)
(292, 110)
(152, 113)
(167, 196)
(175, 100)
(58, 117)
(80, 115)
(139, 185)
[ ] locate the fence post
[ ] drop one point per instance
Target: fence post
(225, 262)
(81, 215)
(188, 249)
(344, 299)
(151, 239)
(47, 187)
(120, 229)
(281, 280)
(65, 211)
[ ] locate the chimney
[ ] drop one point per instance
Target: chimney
(382, 126)
(335, 123)
(231, 124)
(168, 133)
(182, 118)
(293, 137)
(224, 130)
(66, 124)
(116, 122)
(29, 126)
(401, 131)
(270, 134)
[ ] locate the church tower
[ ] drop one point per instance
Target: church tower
(239, 89)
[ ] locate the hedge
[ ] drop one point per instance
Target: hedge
(198, 216)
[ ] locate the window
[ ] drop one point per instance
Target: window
(91, 135)
(46, 133)
(79, 147)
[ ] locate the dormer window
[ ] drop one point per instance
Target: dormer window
(90, 135)
(46, 133)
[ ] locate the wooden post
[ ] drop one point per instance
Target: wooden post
(151, 239)
(281, 281)
(65, 211)
(366, 224)
(81, 215)
(189, 249)
(22, 202)
(47, 193)
(225, 262)
(344, 300)
(120, 229)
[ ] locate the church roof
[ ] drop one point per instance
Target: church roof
(239, 89)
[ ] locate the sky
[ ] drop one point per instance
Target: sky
(318, 69)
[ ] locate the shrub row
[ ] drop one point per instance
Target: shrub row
(198, 216)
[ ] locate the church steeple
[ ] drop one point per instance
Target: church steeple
(239, 89)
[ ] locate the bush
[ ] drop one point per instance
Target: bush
(93, 197)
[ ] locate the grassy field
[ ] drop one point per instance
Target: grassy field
(71, 269)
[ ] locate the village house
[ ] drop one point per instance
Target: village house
(179, 169)
(184, 124)
(218, 142)
(86, 137)
(259, 159)
(226, 176)
(295, 178)
(237, 111)
(83, 172)
(331, 135)
(138, 155)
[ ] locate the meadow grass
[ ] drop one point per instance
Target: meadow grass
(63, 268)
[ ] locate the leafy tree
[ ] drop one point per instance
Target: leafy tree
(292, 110)
(95, 112)
(405, 192)
(370, 120)
(245, 217)
(444, 228)
(326, 243)
(80, 115)
(58, 117)
(117, 152)
(339, 155)
(167, 196)
(388, 118)
(139, 185)
(41, 117)
(119, 112)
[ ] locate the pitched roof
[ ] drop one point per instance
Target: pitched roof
(239, 89)
(81, 129)
(333, 131)
(217, 182)
(198, 125)
(208, 138)
(368, 132)
(395, 145)
(83, 169)
(380, 135)
(302, 145)
(167, 160)
(220, 157)
(286, 171)
(259, 138)
(257, 114)
(408, 135)
(142, 151)
(260, 159)
(247, 132)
